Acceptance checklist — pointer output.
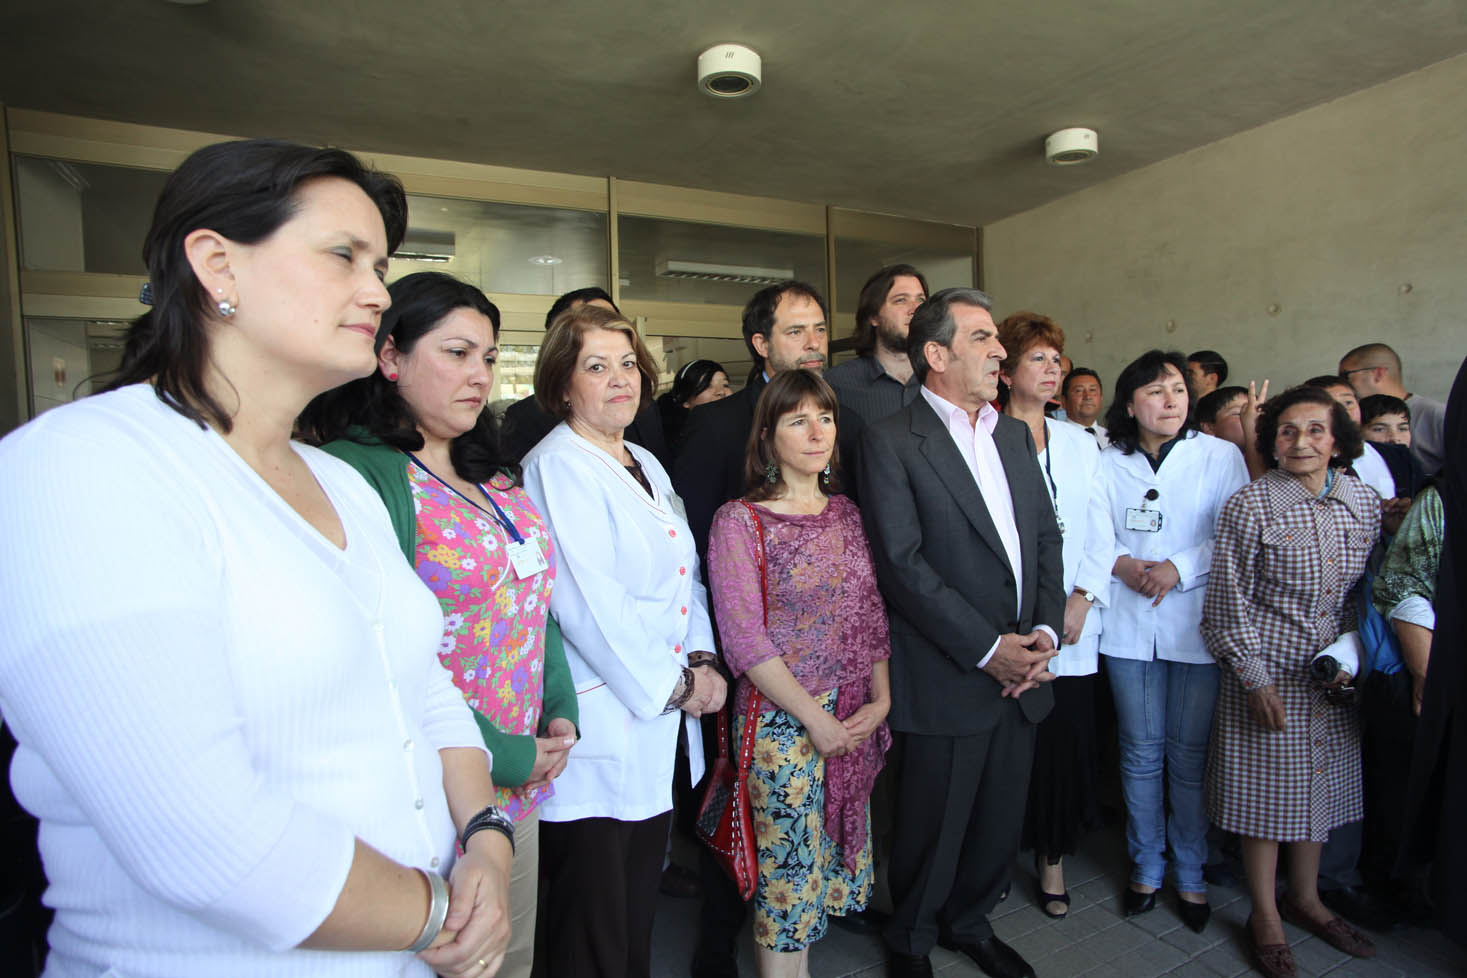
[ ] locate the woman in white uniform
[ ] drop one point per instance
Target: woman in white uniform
(634, 616)
(232, 721)
(1062, 786)
(1165, 485)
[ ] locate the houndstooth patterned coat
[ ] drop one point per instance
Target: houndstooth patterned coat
(1283, 568)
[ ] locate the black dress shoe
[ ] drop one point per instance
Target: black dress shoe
(1134, 903)
(1194, 915)
(1359, 907)
(995, 958)
(899, 965)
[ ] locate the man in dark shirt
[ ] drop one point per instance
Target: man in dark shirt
(878, 381)
(525, 423)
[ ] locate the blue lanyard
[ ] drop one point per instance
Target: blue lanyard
(499, 514)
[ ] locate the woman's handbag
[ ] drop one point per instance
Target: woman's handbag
(725, 822)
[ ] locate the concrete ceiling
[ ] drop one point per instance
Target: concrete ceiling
(927, 109)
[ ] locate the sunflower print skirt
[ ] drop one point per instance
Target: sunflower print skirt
(802, 873)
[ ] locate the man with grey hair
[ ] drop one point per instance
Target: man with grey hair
(1376, 369)
(967, 554)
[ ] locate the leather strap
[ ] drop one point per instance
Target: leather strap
(756, 698)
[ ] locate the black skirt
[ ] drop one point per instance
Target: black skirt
(1063, 803)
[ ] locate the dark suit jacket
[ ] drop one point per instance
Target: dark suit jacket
(525, 424)
(942, 568)
(709, 468)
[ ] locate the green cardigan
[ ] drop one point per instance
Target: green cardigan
(385, 469)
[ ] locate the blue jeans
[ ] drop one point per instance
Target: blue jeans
(1164, 718)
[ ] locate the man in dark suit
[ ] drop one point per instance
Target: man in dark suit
(967, 554)
(525, 422)
(785, 328)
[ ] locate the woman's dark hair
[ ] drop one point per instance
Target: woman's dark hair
(419, 303)
(1348, 443)
(1148, 368)
(783, 394)
(244, 191)
(692, 379)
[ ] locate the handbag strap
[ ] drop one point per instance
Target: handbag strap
(756, 698)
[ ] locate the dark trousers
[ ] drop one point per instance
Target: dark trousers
(1388, 733)
(958, 821)
(600, 876)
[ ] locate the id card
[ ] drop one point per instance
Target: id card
(526, 558)
(1145, 520)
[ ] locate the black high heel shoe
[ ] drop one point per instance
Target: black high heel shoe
(1045, 899)
(1135, 903)
(1194, 915)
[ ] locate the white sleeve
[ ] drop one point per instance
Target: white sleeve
(1099, 555)
(596, 612)
(1228, 473)
(113, 672)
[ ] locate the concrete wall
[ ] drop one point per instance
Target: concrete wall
(1280, 247)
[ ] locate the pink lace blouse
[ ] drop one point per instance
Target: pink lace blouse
(826, 618)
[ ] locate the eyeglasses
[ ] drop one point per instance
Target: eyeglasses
(1357, 370)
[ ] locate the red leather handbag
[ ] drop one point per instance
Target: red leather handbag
(725, 821)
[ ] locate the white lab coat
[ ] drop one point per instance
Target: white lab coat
(631, 607)
(1072, 459)
(1196, 478)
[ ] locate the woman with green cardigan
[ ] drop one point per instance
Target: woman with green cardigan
(417, 430)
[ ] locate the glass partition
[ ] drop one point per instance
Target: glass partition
(84, 217)
(514, 248)
(682, 261)
(69, 358)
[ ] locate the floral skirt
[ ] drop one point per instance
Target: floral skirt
(802, 872)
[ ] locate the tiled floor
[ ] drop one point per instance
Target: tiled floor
(1094, 940)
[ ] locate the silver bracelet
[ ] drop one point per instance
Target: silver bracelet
(437, 912)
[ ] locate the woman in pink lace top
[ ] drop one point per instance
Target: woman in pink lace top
(820, 663)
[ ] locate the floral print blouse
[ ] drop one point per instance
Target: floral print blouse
(493, 621)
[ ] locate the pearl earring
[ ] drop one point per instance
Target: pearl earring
(227, 308)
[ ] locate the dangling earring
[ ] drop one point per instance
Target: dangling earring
(825, 472)
(771, 473)
(227, 308)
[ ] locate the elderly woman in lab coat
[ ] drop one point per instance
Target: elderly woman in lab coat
(637, 637)
(1165, 485)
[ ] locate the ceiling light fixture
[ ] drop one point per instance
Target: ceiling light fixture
(700, 271)
(545, 260)
(730, 71)
(1070, 146)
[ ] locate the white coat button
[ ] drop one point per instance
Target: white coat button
(433, 863)
(407, 744)
(418, 803)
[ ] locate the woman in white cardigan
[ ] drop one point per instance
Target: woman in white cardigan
(634, 616)
(232, 723)
(1165, 486)
(1062, 786)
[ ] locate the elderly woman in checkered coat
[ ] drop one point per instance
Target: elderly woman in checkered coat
(1284, 761)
